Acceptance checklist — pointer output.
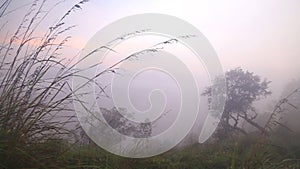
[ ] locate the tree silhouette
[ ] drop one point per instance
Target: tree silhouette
(124, 126)
(243, 88)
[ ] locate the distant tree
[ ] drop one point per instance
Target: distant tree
(243, 88)
(124, 126)
(121, 124)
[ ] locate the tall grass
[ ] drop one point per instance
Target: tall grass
(35, 90)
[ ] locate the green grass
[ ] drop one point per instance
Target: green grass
(248, 152)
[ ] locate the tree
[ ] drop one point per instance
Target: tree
(124, 126)
(243, 89)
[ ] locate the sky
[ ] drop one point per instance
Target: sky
(258, 35)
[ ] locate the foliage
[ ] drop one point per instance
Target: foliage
(273, 153)
(125, 126)
(243, 89)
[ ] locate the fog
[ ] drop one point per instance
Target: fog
(259, 36)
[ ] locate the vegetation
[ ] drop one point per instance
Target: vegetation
(243, 89)
(250, 151)
(35, 95)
